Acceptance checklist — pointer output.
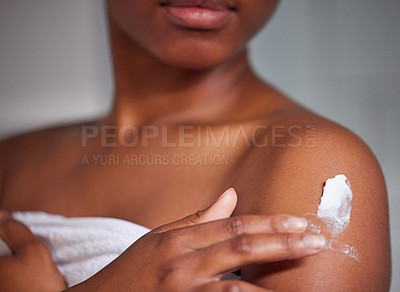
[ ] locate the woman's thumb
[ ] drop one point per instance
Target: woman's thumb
(221, 209)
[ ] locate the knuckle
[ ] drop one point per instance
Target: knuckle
(242, 244)
(275, 222)
(169, 272)
(194, 218)
(159, 229)
(287, 243)
(199, 214)
(235, 226)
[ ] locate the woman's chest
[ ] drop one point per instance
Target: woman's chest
(146, 187)
(149, 195)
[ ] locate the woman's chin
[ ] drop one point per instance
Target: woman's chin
(193, 64)
(197, 60)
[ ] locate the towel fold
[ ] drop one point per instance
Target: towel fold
(81, 246)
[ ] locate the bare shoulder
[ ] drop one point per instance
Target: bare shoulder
(24, 145)
(32, 149)
(305, 150)
(288, 177)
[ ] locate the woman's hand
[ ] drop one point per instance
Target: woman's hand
(193, 253)
(30, 266)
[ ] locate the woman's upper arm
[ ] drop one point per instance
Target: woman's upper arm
(294, 186)
(5, 147)
(2, 162)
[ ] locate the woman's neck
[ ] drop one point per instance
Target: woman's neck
(148, 91)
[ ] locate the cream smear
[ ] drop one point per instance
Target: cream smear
(334, 210)
(335, 206)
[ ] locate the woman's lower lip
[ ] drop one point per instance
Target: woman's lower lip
(197, 17)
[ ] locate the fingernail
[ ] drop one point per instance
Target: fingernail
(226, 194)
(312, 241)
(296, 224)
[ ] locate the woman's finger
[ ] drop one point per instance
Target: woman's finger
(232, 286)
(221, 209)
(248, 249)
(206, 234)
(15, 234)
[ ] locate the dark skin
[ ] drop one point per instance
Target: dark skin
(166, 75)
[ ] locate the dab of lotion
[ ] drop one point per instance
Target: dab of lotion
(335, 208)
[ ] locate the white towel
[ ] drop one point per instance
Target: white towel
(81, 246)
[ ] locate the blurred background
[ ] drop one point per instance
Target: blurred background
(340, 58)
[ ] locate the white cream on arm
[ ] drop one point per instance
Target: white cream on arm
(335, 206)
(334, 210)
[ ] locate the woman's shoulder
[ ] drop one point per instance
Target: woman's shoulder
(35, 146)
(288, 176)
(295, 130)
(289, 123)
(291, 145)
(25, 151)
(303, 151)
